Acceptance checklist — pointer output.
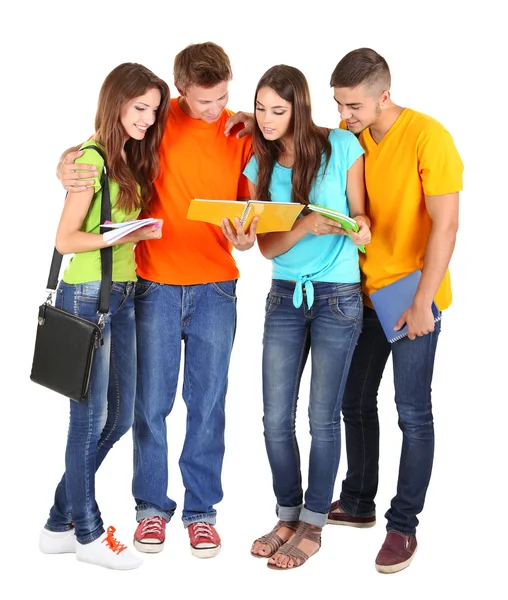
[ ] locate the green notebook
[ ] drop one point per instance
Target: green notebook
(346, 222)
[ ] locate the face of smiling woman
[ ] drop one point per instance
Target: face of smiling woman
(140, 113)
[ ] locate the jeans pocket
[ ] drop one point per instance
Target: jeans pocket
(348, 307)
(226, 288)
(88, 292)
(144, 287)
(272, 301)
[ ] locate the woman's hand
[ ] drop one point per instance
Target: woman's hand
(363, 235)
(153, 231)
(317, 224)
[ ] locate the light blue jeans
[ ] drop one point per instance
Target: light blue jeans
(100, 420)
(329, 330)
(204, 318)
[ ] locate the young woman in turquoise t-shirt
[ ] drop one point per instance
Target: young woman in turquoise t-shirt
(314, 304)
(130, 120)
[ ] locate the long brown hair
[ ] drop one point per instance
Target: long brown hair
(124, 83)
(310, 141)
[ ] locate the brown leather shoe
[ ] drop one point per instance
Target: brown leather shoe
(336, 516)
(396, 553)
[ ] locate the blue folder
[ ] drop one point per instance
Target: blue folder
(394, 299)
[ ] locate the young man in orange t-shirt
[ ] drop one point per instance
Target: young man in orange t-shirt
(186, 290)
(413, 176)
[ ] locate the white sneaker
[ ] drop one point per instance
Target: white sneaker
(107, 552)
(57, 542)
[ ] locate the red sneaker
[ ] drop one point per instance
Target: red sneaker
(150, 535)
(204, 540)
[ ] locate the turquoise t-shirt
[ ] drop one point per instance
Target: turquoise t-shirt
(328, 258)
(86, 266)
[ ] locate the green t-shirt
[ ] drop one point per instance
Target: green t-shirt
(86, 266)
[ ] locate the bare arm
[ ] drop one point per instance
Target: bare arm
(444, 212)
(355, 192)
(70, 238)
(276, 243)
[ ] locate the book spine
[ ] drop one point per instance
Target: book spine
(245, 214)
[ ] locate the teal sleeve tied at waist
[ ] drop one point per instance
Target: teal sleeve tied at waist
(303, 280)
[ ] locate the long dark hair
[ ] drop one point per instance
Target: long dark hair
(124, 83)
(310, 141)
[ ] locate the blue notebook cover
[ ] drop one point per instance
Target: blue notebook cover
(394, 299)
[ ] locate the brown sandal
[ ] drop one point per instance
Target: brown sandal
(273, 540)
(290, 549)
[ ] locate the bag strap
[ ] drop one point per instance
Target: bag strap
(106, 253)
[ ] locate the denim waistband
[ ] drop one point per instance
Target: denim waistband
(311, 289)
(126, 287)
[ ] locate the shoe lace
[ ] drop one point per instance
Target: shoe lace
(152, 525)
(112, 543)
(203, 530)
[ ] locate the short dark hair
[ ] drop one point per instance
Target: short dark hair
(363, 65)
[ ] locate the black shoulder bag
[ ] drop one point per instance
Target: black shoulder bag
(65, 344)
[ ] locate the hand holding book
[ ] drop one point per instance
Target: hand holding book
(147, 229)
(273, 216)
(347, 223)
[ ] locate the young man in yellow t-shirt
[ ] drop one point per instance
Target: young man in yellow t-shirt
(413, 176)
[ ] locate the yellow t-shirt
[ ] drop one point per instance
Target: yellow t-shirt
(416, 157)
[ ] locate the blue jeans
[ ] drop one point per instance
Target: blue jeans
(107, 412)
(330, 330)
(204, 317)
(413, 365)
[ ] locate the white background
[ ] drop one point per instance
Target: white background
(54, 58)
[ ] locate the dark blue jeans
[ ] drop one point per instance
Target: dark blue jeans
(413, 365)
(329, 330)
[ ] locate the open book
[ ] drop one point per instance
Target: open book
(118, 230)
(346, 222)
(273, 216)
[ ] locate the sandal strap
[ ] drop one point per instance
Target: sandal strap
(308, 532)
(304, 531)
(272, 539)
(292, 551)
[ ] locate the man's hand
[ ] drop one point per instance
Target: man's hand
(419, 319)
(72, 180)
(240, 239)
(240, 117)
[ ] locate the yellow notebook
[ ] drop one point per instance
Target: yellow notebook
(273, 216)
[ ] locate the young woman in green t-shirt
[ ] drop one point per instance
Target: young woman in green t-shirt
(130, 120)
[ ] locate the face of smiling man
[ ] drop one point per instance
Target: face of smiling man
(203, 103)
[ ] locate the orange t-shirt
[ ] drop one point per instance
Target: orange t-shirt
(197, 161)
